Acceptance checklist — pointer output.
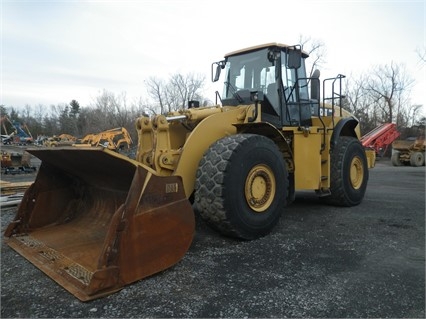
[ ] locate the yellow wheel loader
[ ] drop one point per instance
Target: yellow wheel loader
(95, 220)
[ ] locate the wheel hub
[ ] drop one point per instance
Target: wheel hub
(356, 172)
(260, 188)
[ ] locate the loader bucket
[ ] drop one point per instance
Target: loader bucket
(95, 221)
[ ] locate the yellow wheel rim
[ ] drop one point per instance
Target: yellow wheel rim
(260, 188)
(356, 172)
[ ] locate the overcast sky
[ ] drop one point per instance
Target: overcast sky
(56, 51)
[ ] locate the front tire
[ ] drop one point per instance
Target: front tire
(242, 185)
(417, 159)
(349, 172)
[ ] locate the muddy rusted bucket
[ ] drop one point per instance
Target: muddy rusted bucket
(95, 221)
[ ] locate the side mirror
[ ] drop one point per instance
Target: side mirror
(219, 66)
(294, 57)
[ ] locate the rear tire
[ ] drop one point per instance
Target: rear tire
(241, 186)
(417, 159)
(395, 159)
(349, 172)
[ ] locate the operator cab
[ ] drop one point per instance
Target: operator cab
(278, 73)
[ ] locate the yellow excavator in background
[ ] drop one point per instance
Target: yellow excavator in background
(116, 139)
(96, 220)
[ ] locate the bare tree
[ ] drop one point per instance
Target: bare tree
(185, 88)
(175, 93)
(156, 89)
(122, 114)
(360, 104)
(140, 107)
(382, 96)
(108, 111)
(409, 115)
(389, 86)
(317, 52)
(415, 109)
(422, 54)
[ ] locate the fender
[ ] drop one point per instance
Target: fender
(276, 135)
(345, 127)
(208, 131)
(269, 131)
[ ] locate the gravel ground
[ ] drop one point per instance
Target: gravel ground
(320, 262)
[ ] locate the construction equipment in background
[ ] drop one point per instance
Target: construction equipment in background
(409, 152)
(16, 163)
(96, 220)
(23, 135)
(380, 138)
(87, 139)
(6, 138)
(116, 139)
(60, 140)
(20, 136)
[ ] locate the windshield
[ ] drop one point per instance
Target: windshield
(255, 72)
(250, 71)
